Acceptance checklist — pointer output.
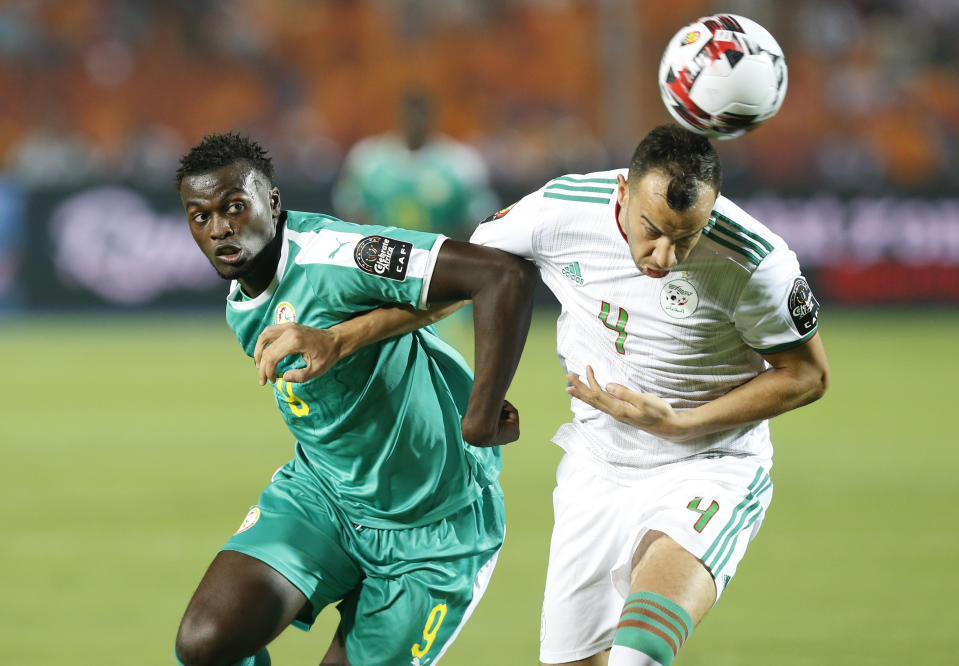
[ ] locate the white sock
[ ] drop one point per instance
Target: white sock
(621, 655)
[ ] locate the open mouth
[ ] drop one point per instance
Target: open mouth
(230, 254)
(653, 273)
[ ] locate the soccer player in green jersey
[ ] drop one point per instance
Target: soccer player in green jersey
(386, 508)
(415, 177)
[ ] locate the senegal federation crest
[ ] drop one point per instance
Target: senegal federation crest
(284, 314)
(679, 298)
(250, 520)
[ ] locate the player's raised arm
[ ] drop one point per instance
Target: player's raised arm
(322, 348)
(798, 376)
(501, 288)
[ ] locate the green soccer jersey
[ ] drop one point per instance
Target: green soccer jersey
(380, 431)
(438, 188)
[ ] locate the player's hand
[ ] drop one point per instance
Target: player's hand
(319, 347)
(507, 429)
(641, 410)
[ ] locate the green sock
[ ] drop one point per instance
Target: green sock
(654, 625)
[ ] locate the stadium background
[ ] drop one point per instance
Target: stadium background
(133, 436)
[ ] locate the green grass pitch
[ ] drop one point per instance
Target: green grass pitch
(132, 447)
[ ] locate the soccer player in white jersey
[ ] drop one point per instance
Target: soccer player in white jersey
(692, 326)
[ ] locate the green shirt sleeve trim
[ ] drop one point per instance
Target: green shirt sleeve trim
(753, 259)
(574, 179)
(580, 188)
(567, 197)
(788, 345)
(744, 230)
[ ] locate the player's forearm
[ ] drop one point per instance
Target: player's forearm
(502, 308)
(767, 395)
(387, 322)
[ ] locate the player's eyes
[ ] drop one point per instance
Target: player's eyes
(199, 218)
(235, 207)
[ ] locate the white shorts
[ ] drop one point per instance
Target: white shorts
(711, 507)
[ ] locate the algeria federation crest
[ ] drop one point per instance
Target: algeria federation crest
(284, 314)
(679, 298)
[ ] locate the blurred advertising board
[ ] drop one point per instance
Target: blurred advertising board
(116, 246)
(870, 250)
(112, 245)
(119, 246)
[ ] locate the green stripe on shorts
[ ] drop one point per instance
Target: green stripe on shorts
(747, 510)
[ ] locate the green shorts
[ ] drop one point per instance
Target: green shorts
(404, 593)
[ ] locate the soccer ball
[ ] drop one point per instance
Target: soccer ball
(722, 76)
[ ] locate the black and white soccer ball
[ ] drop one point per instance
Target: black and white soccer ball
(722, 76)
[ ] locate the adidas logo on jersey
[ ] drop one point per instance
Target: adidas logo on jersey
(572, 272)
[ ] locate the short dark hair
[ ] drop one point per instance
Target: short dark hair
(216, 151)
(689, 160)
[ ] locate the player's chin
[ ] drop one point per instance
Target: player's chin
(230, 271)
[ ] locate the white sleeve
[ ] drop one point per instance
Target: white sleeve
(512, 228)
(777, 309)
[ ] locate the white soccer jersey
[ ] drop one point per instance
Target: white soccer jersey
(688, 337)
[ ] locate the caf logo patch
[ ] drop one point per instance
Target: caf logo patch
(284, 314)
(498, 214)
(803, 306)
(383, 257)
(679, 298)
(250, 520)
(691, 37)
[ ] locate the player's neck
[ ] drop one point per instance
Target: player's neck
(263, 266)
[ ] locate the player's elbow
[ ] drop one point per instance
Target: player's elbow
(509, 283)
(816, 382)
(478, 435)
(518, 273)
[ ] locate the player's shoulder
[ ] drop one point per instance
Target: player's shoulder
(316, 238)
(582, 190)
(315, 241)
(302, 225)
(577, 198)
(739, 236)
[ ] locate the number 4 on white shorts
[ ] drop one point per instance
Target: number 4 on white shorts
(705, 515)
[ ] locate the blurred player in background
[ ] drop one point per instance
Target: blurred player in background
(384, 508)
(692, 325)
(415, 178)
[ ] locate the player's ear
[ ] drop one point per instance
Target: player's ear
(622, 190)
(276, 207)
